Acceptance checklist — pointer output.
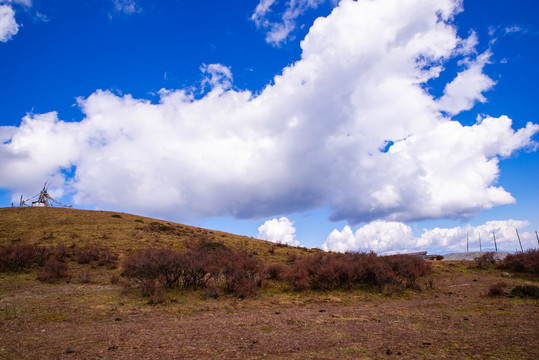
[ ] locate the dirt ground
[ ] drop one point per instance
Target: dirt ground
(97, 320)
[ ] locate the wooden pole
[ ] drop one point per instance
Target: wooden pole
(518, 236)
(537, 236)
(494, 237)
(467, 242)
(480, 249)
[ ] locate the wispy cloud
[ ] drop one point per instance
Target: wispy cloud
(279, 26)
(127, 7)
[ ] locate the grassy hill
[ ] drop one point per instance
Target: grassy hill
(96, 313)
(121, 232)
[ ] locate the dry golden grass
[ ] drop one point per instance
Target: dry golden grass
(121, 232)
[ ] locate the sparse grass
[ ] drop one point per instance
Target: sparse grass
(42, 320)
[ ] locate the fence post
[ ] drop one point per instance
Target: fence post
(518, 236)
(480, 248)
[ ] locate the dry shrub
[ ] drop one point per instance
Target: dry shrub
(241, 272)
(98, 255)
(408, 269)
(497, 289)
(353, 270)
(158, 297)
(52, 271)
(526, 291)
(212, 290)
(150, 266)
(18, 257)
(236, 272)
(298, 277)
(274, 271)
(84, 277)
(115, 279)
(527, 261)
(485, 261)
(46, 253)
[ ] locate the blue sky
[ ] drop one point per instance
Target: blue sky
(383, 125)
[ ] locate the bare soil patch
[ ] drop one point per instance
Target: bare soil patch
(97, 320)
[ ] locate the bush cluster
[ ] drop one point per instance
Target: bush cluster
(18, 257)
(23, 256)
(52, 271)
(526, 291)
(497, 289)
(235, 272)
(354, 270)
(485, 261)
(527, 261)
(96, 255)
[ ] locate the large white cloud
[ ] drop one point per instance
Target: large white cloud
(279, 231)
(318, 135)
(8, 24)
(388, 236)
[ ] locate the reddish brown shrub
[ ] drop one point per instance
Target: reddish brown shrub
(98, 255)
(115, 279)
(353, 270)
(200, 263)
(241, 272)
(148, 266)
(159, 296)
(274, 271)
(408, 269)
(298, 277)
(52, 271)
(18, 257)
(485, 261)
(212, 290)
(527, 261)
(497, 289)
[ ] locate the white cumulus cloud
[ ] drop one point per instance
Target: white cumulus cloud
(279, 231)
(349, 125)
(468, 87)
(8, 24)
(391, 237)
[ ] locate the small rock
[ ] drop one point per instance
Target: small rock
(118, 319)
(322, 310)
(426, 344)
(474, 280)
(506, 275)
(70, 351)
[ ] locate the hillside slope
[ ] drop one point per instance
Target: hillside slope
(120, 231)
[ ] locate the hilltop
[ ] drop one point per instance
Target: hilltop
(453, 311)
(121, 232)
